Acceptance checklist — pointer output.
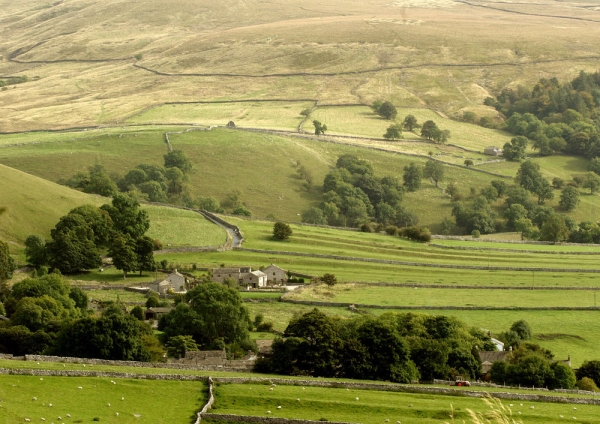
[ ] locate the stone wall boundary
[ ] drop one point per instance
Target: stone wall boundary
(498, 249)
(422, 264)
(388, 387)
(102, 374)
(480, 240)
(468, 287)
(235, 365)
(441, 308)
(262, 420)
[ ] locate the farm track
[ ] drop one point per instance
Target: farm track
(526, 13)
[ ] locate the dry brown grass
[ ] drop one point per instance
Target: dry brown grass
(396, 48)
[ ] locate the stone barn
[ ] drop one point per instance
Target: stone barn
(275, 275)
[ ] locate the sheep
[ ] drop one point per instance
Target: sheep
(356, 398)
(279, 407)
(268, 412)
(34, 398)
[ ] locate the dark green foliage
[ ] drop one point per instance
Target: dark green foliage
(214, 314)
(73, 245)
(7, 263)
(468, 162)
(282, 231)
(19, 340)
(421, 234)
(329, 279)
(412, 177)
(393, 132)
(35, 250)
(410, 122)
(97, 181)
(500, 187)
(558, 183)
(387, 110)
(79, 297)
(587, 384)
(179, 345)
(554, 229)
(434, 170)
(586, 232)
(127, 217)
(590, 369)
(522, 328)
(242, 211)
(209, 204)
(138, 313)
(314, 215)
(116, 335)
(591, 181)
(122, 251)
(319, 127)
(153, 300)
(515, 150)
(144, 251)
(569, 198)
(354, 165)
(178, 159)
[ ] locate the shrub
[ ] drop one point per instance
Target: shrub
(588, 384)
(266, 326)
(241, 210)
(367, 227)
(138, 312)
(475, 234)
(282, 231)
(416, 233)
(392, 230)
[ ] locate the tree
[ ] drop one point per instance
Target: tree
(500, 186)
(410, 122)
(468, 162)
(434, 170)
(7, 263)
(35, 250)
(522, 328)
(469, 117)
(388, 111)
(179, 345)
(429, 130)
(319, 127)
(569, 198)
(514, 213)
(314, 215)
(530, 178)
(242, 211)
(515, 150)
(554, 229)
(412, 177)
(123, 253)
(590, 369)
(178, 159)
(73, 245)
(592, 181)
(282, 231)
(99, 182)
(144, 251)
(329, 279)
(127, 217)
(587, 384)
(394, 132)
(564, 376)
(154, 191)
(214, 315)
(527, 229)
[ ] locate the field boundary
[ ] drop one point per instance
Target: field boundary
(102, 374)
(440, 308)
(417, 264)
(469, 287)
(499, 249)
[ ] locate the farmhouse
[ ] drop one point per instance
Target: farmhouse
(174, 281)
(492, 151)
(243, 275)
(275, 275)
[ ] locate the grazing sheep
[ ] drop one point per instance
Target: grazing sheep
(68, 415)
(34, 398)
(279, 407)
(268, 412)
(356, 398)
(27, 420)
(116, 414)
(50, 405)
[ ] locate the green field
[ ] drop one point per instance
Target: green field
(370, 407)
(362, 121)
(273, 115)
(98, 397)
(409, 296)
(179, 227)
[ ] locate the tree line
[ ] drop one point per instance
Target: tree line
(558, 117)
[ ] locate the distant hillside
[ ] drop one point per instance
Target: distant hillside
(33, 205)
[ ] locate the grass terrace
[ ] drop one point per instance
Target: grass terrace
(127, 401)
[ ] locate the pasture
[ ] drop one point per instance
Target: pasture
(127, 401)
(370, 407)
(272, 115)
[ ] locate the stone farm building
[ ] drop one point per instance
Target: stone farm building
(492, 151)
(275, 275)
(243, 275)
(174, 281)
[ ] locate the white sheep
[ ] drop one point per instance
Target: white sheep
(68, 415)
(279, 407)
(27, 420)
(116, 414)
(268, 412)
(50, 405)
(34, 398)
(122, 398)
(356, 398)
(109, 404)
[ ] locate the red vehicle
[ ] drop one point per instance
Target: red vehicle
(460, 382)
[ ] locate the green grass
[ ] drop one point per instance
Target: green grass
(179, 227)
(271, 115)
(116, 296)
(408, 296)
(260, 295)
(370, 407)
(360, 120)
(146, 398)
(517, 246)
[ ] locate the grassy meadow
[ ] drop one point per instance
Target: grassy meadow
(87, 398)
(272, 115)
(370, 407)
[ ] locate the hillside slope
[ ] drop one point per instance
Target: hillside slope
(34, 205)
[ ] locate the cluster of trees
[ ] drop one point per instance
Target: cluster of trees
(48, 316)
(214, 316)
(525, 211)
(532, 366)
(85, 232)
(394, 347)
(354, 195)
(558, 117)
(153, 182)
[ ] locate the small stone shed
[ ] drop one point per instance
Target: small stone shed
(492, 151)
(156, 313)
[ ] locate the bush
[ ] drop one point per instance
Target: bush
(421, 234)
(282, 231)
(392, 230)
(367, 227)
(475, 234)
(588, 384)
(138, 312)
(266, 326)
(242, 211)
